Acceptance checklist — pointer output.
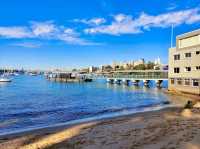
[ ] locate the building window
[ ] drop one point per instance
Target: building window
(187, 69)
(187, 81)
(195, 82)
(172, 81)
(179, 81)
(176, 70)
(177, 57)
(197, 67)
(197, 52)
(188, 55)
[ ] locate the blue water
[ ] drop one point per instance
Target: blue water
(31, 102)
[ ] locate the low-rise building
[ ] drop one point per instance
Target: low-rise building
(107, 68)
(184, 63)
(92, 69)
(139, 62)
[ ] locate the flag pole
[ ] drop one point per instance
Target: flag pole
(172, 35)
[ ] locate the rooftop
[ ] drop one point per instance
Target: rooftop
(189, 34)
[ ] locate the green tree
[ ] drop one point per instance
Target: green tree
(140, 67)
(150, 65)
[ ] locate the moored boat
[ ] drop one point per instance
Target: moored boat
(5, 80)
(32, 74)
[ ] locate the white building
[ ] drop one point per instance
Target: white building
(157, 61)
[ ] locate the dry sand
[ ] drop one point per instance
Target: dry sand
(171, 128)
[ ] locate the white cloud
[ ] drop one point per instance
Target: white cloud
(125, 24)
(43, 28)
(97, 21)
(193, 19)
(27, 44)
(172, 6)
(121, 17)
(15, 32)
(71, 37)
(73, 40)
(35, 30)
(92, 22)
(69, 31)
(121, 24)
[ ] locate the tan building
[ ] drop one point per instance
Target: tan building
(184, 63)
(139, 62)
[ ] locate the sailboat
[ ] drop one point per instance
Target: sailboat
(3, 78)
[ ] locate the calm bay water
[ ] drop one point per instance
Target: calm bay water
(31, 102)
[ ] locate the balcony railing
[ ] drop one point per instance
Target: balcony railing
(161, 75)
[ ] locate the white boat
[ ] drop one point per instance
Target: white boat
(16, 74)
(32, 74)
(13, 74)
(5, 80)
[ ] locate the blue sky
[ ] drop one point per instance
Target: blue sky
(77, 33)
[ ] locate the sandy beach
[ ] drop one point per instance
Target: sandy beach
(170, 128)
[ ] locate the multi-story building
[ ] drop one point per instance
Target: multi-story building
(184, 63)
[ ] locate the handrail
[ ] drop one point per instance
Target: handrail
(139, 76)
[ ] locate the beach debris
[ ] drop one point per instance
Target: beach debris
(197, 105)
(189, 105)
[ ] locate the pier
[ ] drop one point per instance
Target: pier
(137, 76)
(68, 77)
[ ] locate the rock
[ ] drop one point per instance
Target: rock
(197, 105)
(166, 102)
(189, 105)
(186, 113)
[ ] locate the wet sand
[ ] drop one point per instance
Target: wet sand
(170, 128)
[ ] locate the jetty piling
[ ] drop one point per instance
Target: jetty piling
(137, 76)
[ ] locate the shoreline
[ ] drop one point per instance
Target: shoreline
(101, 118)
(55, 128)
(108, 116)
(131, 131)
(170, 127)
